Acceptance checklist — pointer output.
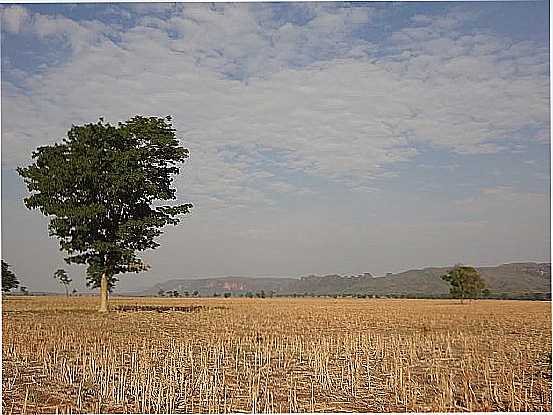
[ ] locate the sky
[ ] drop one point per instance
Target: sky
(324, 137)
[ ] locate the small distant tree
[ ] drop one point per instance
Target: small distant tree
(186, 294)
(63, 279)
(215, 295)
(173, 293)
(9, 280)
(195, 294)
(249, 294)
(227, 295)
(74, 292)
(465, 282)
(24, 290)
(160, 293)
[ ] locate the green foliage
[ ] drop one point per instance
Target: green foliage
(171, 293)
(99, 188)
(62, 277)
(9, 280)
(465, 282)
(227, 295)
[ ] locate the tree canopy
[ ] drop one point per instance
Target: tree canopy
(63, 278)
(465, 282)
(102, 188)
(9, 280)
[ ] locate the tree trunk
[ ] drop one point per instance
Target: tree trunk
(66, 291)
(104, 294)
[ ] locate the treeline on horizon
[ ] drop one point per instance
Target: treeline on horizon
(531, 296)
(538, 296)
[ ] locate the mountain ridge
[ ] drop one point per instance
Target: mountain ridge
(515, 278)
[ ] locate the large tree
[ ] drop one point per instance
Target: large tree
(102, 187)
(9, 280)
(465, 282)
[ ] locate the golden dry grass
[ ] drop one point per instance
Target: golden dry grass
(276, 355)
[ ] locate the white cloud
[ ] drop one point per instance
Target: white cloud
(78, 35)
(153, 8)
(338, 114)
(14, 18)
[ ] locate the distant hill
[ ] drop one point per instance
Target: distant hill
(517, 279)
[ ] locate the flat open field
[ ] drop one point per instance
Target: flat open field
(275, 355)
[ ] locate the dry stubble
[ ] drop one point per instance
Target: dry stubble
(276, 355)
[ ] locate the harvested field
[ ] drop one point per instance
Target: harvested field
(275, 355)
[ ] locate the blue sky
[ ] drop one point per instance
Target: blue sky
(324, 137)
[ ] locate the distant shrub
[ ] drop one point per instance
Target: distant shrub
(9, 280)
